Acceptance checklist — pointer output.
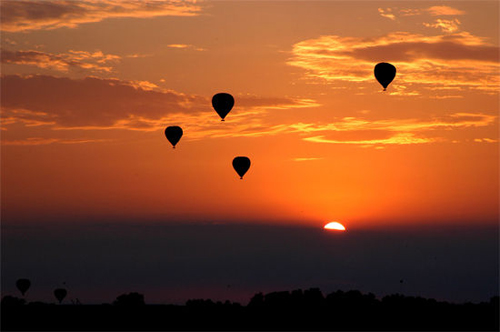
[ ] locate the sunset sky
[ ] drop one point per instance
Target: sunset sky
(88, 88)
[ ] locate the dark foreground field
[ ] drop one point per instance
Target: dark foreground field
(273, 311)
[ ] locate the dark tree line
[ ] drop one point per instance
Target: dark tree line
(285, 310)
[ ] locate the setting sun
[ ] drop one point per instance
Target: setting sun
(335, 226)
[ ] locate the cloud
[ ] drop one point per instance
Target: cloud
(452, 60)
(444, 11)
(445, 25)
(368, 133)
(101, 104)
(387, 13)
(44, 141)
(91, 101)
(50, 103)
(93, 61)
(185, 46)
(348, 130)
(46, 15)
(486, 140)
(398, 139)
(394, 132)
(432, 11)
(455, 120)
(410, 12)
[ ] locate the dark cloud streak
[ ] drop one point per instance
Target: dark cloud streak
(90, 101)
(19, 16)
(420, 50)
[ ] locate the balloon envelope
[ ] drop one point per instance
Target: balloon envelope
(23, 285)
(222, 103)
(384, 73)
(173, 134)
(60, 294)
(241, 165)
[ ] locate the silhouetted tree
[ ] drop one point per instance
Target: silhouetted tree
(199, 303)
(296, 297)
(9, 300)
(130, 299)
(313, 297)
(277, 299)
(257, 300)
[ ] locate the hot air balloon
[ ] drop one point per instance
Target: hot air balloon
(385, 73)
(222, 103)
(60, 294)
(23, 285)
(173, 134)
(241, 165)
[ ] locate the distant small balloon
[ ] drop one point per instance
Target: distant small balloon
(60, 294)
(23, 285)
(384, 73)
(241, 165)
(173, 134)
(222, 103)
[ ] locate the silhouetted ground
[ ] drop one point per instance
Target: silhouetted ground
(296, 310)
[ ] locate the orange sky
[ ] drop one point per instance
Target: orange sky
(89, 87)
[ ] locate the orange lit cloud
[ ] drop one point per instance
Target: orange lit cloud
(93, 61)
(444, 25)
(44, 141)
(432, 11)
(456, 120)
(351, 130)
(485, 140)
(42, 14)
(64, 104)
(398, 139)
(387, 13)
(458, 60)
(444, 11)
(185, 46)
(93, 103)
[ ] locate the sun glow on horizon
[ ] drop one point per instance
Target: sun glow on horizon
(334, 226)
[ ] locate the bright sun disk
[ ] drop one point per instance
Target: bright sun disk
(335, 226)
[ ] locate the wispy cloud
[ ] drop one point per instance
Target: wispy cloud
(94, 103)
(445, 25)
(53, 14)
(387, 13)
(486, 140)
(432, 11)
(452, 60)
(398, 139)
(348, 130)
(44, 141)
(186, 46)
(444, 11)
(395, 132)
(93, 61)
(455, 120)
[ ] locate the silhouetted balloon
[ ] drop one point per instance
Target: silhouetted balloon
(385, 73)
(222, 103)
(60, 294)
(241, 165)
(23, 285)
(173, 134)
